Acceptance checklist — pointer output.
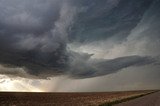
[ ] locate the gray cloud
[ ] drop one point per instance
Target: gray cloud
(34, 36)
(29, 45)
(86, 67)
(105, 19)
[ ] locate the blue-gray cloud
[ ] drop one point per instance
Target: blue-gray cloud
(34, 34)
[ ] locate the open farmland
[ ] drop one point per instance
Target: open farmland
(64, 99)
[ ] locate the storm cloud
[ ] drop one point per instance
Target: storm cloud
(62, 37)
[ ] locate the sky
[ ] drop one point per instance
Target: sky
(79, 45)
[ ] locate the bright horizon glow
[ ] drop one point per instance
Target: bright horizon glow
(7, 84)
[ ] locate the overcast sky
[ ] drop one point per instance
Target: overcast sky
(79, 45)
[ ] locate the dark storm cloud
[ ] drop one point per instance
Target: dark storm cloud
(29, 16)
(86, 68)
(34, 35)
(108, 18)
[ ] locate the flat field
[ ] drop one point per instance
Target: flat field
(64, 99)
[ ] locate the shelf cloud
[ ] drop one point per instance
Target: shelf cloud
(80, 39)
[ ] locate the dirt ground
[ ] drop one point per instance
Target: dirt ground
(62, 99)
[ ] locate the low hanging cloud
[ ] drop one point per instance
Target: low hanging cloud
(86, 68)
(81, 66)
(34, 36)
